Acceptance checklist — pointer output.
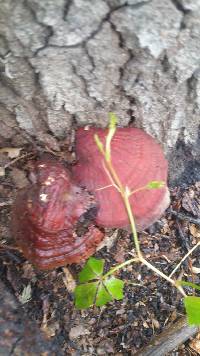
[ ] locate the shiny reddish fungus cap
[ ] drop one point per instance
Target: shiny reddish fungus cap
(138, 159)
(45, 217)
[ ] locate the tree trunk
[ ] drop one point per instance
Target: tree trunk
(69, 62)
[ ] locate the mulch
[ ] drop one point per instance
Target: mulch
(40, 304)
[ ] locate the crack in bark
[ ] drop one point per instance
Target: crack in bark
(131, 99)
(46, 44)
(5, 46)
(15, 345)
(33, 104)
(85, 85)
(139, 4)
(82, 43)
(191, 96)
(165, 63)
(37, 86)
(91, 59)
(83, 80)
(31, 107)
(6, 83)
(48, 28)
(178, 5)
(66, 9)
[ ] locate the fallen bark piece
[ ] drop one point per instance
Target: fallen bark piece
(169, 339)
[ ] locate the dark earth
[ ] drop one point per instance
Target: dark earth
(68, 63)
(37, 313)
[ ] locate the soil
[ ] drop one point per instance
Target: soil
(38, 316)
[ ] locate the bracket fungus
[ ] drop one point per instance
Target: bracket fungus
(138, 159)
(46, 215)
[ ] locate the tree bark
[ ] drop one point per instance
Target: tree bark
(69, 62)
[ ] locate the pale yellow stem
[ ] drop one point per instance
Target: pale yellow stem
(184, 258)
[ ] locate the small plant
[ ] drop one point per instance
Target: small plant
(97, 288)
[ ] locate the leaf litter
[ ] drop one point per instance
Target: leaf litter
(146, 309)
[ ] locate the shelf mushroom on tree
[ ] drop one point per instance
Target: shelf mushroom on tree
(138, 159)
(114, 184)
(46, 215)
(47, 212)
(98, 288)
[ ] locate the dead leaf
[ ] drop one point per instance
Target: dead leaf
(108, 241)
(195, 344)
(155, 323)
(19, 178)
(78, 331)
(12, 152)
(45, 309)
(120, 255)
(194, 230)
(2, 172)
(190, 204)
(195, 270)
(146, 326)
(121, 311)
(68, 280)
(165, 228)
(50, 329)
(25, 297)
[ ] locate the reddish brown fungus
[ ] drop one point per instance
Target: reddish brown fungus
(137, 159)
(45, 216)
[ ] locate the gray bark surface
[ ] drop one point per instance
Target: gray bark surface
(69, 62)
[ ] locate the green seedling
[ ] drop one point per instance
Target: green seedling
(97, 288)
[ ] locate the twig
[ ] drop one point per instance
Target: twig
(17, 159)
(121, 265)
(125, 194)
(161, 274)
(6, 203)
(132, 222)
(106, 186)
(113, 182)
(184, 258)
(6, 247)
(182, 216)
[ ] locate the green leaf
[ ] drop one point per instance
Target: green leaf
(192, 306)
(99, 144)
(110, 289)
(102, 296)
(92, 293)
(92, 270)
(85, 295)
(96, 289)
(155, 184)
(188, 284)
(115, 287)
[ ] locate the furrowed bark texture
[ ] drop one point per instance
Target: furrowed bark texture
(69, 62)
